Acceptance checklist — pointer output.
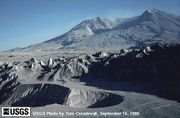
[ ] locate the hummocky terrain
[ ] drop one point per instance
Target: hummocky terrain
(127, 65)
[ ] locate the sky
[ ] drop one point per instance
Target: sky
(27, 22)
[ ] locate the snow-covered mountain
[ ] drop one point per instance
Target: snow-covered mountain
(83, 30)
(153, 26)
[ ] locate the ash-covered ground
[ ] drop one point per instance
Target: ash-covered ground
(142, 80)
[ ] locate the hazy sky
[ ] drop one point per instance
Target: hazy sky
(25, 22)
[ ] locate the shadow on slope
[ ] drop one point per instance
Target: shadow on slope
(151, 70)
(35, 95)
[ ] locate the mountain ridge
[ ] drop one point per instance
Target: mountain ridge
(152, 26)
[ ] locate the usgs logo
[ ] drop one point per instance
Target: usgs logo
(16, 111)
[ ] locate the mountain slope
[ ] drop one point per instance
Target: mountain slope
(153, 26)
